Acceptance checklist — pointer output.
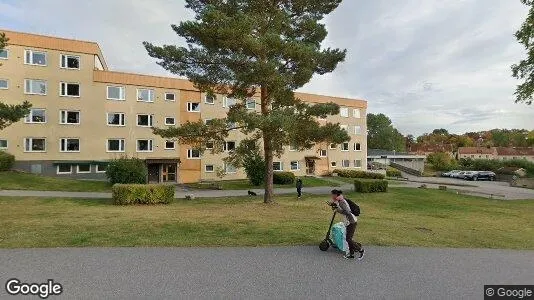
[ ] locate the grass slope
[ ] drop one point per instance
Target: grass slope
(24, 181)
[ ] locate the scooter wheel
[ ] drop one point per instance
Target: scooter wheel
(324, 245)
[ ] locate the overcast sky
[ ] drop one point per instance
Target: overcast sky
(425, 63)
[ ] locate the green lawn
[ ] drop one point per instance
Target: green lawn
(24, 181)
(402, 217)
(245, 184)
(351, 180)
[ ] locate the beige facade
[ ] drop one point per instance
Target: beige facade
(84, 115)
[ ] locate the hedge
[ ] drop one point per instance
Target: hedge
(127, 171)
(283, 178)
(6, 161)
(127, 194)
(392, 172)
(358, 174)
(370, 186)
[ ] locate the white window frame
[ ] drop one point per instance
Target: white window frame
(97, 171)
(29, 117)
(63, 173)
(122, 117)
(150, 120)
(7, 144)
(32, 92)
(355, 148)
(190, 107)
(253, 101)
(122, 142)
(344, 112)
(190, 154)
(225, 102)
(212, 146)
(226, 169)
(65, 112)
(332, 148)
(225, 147)
(64, 141)
(173, 97)
(210, 103)
(84, 172)
(66, 86)
(333, 164)
(151, 95)
(31, 52)
(206, 168)
(343, 147)
(7, 54)
(344, 127)
(291, 165)
(7, 84)
(356, 165)
(357, 113)
(173, 145)
(281, 166)
(122, 92)
(292, 148)
(358, 130)
(347, 165)
(321, 153)
(66, 58)
(30, 139)
(173, 121)
(150, 146)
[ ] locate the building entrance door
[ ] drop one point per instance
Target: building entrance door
(153, 172)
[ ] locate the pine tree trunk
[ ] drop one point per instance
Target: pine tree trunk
(267, 150)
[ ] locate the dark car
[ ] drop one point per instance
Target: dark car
(483, 175)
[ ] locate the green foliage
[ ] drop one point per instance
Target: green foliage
(524, 71)
(442, 161)
(127, 171)
(358, 174)
(128, 194)
(248, 155)
(6, 161)
(283, 178)
(495, 164)
(3, 40)
(370, 186)
(10, 114)
(382, 134)
(392, 172)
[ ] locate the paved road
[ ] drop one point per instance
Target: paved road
(267, 273)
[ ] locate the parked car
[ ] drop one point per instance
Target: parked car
(460, 175)
(469, 175)
(484, 175)
(450, 173)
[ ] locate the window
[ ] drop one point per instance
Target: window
(229, 169)
(209, 168)
(357, 147)
(116, 93)
(83, 169)
(231, 125)
(345, 147)
(193, 154)
(35, 87)
(69, 89)
(69, 145)
(70, 62)
(333, 164)
(101, 168)
(34, 145)
(145, 120)
(357, 163)
(295, 165)
(356, 113)
(64, 169)
(345, 163)
(322, 153)
(292, 148)
(170, 145)
(34, 58)
(229, 146)
(357, 130)
(209, 145)
(344, 112)
(251, 104)
(116, 119)
(333, 146)
(69, 117)
(144, 146)
(4, 84)
(145, 95)
(344, 127)
(209, 99)
(229, 102)
(4, 54)
(278, 166)
(208, 121)
(115, 145)
(170, 121)
(170, 97)
(37, 115)
(193, 107)
(3, 144)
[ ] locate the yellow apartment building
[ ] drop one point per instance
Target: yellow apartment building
(85, 115)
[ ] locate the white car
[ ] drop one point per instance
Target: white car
(450, 173)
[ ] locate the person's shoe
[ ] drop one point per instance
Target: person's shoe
(362, 253)
(349, 256)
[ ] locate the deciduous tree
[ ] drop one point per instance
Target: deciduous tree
(524, 70)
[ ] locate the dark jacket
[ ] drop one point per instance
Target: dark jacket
(299, 184)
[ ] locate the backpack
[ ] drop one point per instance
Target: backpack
(355, 208)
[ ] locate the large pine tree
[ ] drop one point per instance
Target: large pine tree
(264, 48)
(524, 70)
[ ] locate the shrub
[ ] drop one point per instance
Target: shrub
(392, 172)
(255, 169)
(127, 194)
(283, 178)
(358, 174)
(127, 171)
(6, 161)
(370, 186)
(442, 161)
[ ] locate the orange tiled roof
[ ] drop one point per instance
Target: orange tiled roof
(476, 150)
(502, 151)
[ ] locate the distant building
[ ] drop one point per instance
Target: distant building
(430, 149)
(501, 153)
(386, 158)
